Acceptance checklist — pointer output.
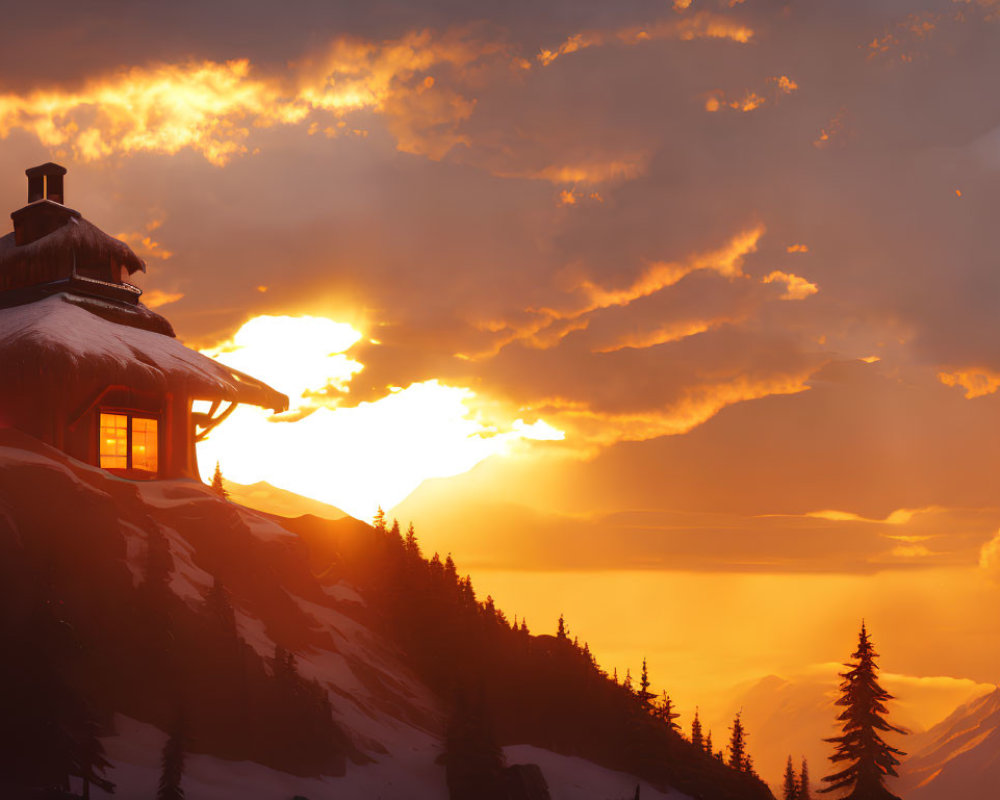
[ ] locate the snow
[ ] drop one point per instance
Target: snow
(572, 778)
(254, 633)
(959, 757)
(410, 774)
(121, 354)
(135, 755)
(344, 592)
(376, 710)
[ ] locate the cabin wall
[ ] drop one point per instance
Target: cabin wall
(72, 424)
(180, 425)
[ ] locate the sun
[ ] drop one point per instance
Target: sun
(354, 456)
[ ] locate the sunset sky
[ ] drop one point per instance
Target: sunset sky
(687, 312)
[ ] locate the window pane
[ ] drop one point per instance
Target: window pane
(114, 441)
(144, 454)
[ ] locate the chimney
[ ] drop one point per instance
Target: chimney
(45, 211)
(46, 181)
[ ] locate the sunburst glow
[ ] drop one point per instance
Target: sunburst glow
(356, 457)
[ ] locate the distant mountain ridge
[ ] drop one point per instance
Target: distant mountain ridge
(262, 496)
(957, 758)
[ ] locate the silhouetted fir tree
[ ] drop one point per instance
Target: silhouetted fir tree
(524, 626)
(172, 764)
(217, 485)
(627, 683)
(665, 711)
(411, 543)
(645, 696)
(394, 531)
(696, 736)
(88, 761)
(474, 762)
(790, 784)
(489, 609)
(708, 744)
(561, 632)
(378, 521)
(220, 610)
(870, 759)
(737, 744)
(804, 792)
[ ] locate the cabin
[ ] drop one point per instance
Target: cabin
(84, 365)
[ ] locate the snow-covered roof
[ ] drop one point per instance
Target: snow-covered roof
(78, 236)
(56, 345)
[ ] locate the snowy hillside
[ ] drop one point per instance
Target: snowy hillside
(959, 757)
(411, 774)
(286, 651)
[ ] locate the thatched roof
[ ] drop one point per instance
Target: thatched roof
(77, 235)
(57, 346)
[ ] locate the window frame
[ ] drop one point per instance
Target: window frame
(130, 414)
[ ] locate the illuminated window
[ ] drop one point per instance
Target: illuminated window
(128, 442)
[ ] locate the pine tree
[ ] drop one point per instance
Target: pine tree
(561, 632)
(173, 765)
(474, 762)
(394, 531)
(645, 696)
(790, 785)
(627, 683)
(217, 485)
(219, 607)
(804, 792)
(667, 713)
(378, 521)
(708, 744)
(737, 745)
(88, 760)
(870, 759)
(696, 738)
(412, 546)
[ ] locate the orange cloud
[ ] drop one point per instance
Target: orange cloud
(750, 100)
(665, 334)
(727, 261)
(702, 25)
(156, 298)
(977, 382)
(545, 327)
(144, 244)
(901, 516)
(796, 287)
(797, 248)
(212, 107)
(833, 132)
(697, 405)
(592, 171)
(990, 8)
(901, 40)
